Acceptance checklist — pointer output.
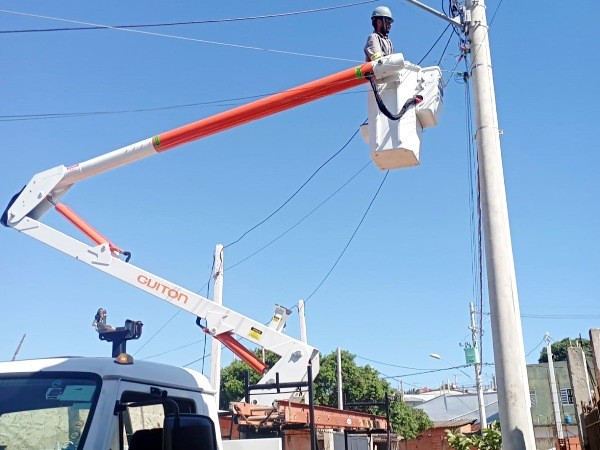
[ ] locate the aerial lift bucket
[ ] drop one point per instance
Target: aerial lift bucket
(395, 144)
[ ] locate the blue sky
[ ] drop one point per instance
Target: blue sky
(401, 290)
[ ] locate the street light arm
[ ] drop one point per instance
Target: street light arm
(452, 20)
(436, 356)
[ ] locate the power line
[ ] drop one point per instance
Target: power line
(183, 38)
(388, 364)
(295, 193)
(301, 220)
(193, 22)
(560, 316)
(434, 44)
(349, 240)
(236, 101)
(495, 12)
(172, 350)
(157, 332)
(536, 347)
(446, 47)
(435, 370)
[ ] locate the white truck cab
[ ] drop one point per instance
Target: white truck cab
(99, 404)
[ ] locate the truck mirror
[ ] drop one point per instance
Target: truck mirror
(193, 432)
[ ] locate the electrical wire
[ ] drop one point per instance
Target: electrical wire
(561, 316)
(195, 22)
(236, 101)
(301, 220)
(183, 38)
(445, 48)
(495, 12)
(196, 360)
(443, 369)
(172, 350)
(388, 364)
(536, 347)
(349, 240)
(295, 193)
(475, 219)
(158, 331)
(434, 44)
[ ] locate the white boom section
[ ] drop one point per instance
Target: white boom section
(56, 181)
(295, 355)
(393, 144)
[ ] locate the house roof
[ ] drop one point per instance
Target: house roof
(428, 395)
(459, 407)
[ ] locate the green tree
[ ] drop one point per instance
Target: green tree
(489, 439)
(559, 349)
(408, 422)
(363, 384)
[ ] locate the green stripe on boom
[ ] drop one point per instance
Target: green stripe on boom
(358, 72)
(156, 141)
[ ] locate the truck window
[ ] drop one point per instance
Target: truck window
(141, 426)
(46, 412)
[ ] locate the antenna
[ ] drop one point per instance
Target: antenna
(18, 347)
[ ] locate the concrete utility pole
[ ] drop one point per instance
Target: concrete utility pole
(480, 398)
(215, 355)
(595, 344)
(580, 385)
(553, 391)
(302, 318)
(339, 379)
(509, 354)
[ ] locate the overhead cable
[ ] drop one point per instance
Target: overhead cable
(172, 350)
(388, 364)
(183, 38)
(301, 220)
(536, 347)
(157, 332)
(443, 369)
(194, 22)
(434, 44)
(234, 101)
(295, 193)
(445, 48)
(349, 240)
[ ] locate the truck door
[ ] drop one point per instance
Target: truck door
(140, 427)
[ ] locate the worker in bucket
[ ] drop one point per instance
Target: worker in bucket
(378, 43)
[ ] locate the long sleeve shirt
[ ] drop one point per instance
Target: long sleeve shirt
(378, 46)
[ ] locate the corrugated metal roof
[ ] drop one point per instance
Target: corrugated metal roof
(459, 407)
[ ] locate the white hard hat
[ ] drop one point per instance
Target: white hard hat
(383, 12)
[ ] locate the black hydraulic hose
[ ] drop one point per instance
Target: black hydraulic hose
(386, 112)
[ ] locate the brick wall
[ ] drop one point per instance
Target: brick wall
(432, 439)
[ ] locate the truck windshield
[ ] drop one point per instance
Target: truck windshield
(49, 411)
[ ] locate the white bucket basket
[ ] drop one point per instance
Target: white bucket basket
(396, 144)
